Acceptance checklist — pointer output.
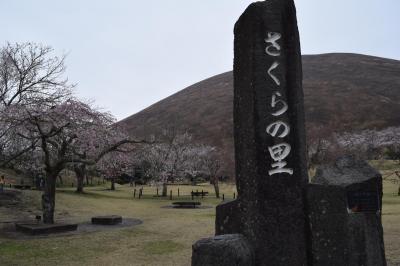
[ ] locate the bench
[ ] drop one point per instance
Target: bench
(186, 204)
(22, 186)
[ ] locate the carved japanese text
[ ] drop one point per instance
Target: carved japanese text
(277, 129)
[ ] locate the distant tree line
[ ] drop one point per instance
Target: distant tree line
(175, 157)
(324, 145)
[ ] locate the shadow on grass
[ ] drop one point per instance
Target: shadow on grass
(93, 194)
(115, 194)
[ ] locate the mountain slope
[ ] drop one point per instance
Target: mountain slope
(348, 91)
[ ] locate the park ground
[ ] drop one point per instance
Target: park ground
(164, 238)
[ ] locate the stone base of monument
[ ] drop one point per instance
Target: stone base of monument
(227, 220)
(344, 203)
(42, 229)
(107, 220)
(223, 250)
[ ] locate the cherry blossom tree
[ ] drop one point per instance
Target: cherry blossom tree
(98, 135)
(30, 75)
(102, 144)
(114, 164)
(176, 156)
(203, 160)
(30, 165)
(67, 134)
(40, 117)
(166, 159)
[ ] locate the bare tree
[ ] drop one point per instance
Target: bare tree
(30, 73)
(322, 145)
(211, 165)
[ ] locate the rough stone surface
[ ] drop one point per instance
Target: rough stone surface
(227, 220)
(366, 240)
(354, 175)
(327, 210)
(345, 214)
(223, 250)
(269, 210)
(345, 171)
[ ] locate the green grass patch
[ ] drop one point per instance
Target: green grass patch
(13, 248)
(391, 201)
(29, 250)
(161, 247)
(208, 215)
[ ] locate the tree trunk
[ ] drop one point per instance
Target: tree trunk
(61, 180)
(87, 180)
(398, 191)
(216, 187)
(112, 184)
(164, 189)
(79, 186)
(48, 198)
(80, 172)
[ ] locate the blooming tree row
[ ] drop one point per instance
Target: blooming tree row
(44, 127)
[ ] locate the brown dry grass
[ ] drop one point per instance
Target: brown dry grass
(164, 238)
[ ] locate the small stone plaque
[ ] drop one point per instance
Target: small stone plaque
(362, 201)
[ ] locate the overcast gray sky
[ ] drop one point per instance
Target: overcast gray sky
(129, 54)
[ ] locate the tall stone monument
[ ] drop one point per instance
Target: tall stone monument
(278, 218)
(271, 172)
(269, 133)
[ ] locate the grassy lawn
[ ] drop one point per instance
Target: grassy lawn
(164, 238)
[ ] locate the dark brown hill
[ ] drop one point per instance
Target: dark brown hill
(350, 91)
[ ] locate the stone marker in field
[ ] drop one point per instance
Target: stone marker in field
(107, 220)
(44, 229)
(345, 203)
(271, 172)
